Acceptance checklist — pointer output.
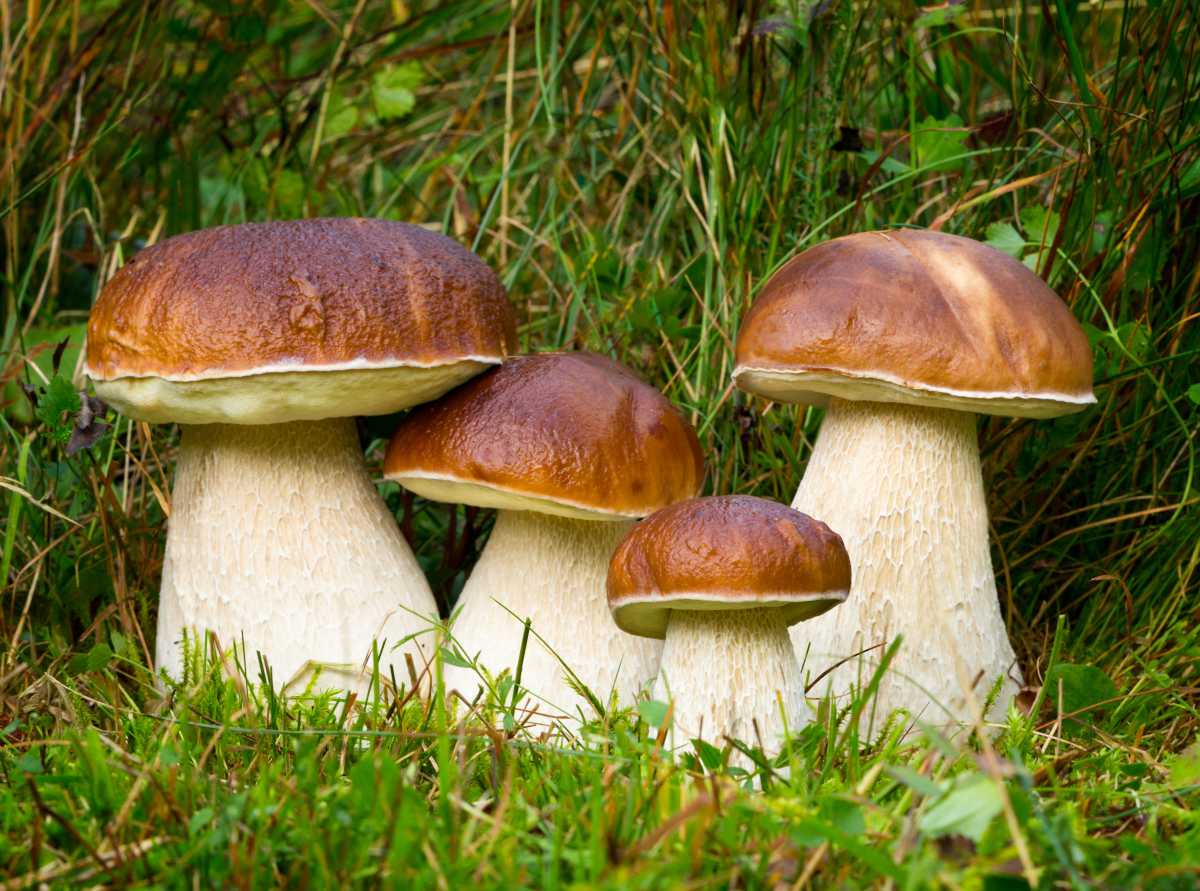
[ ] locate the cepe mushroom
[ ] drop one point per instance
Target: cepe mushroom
(571, 448)
(264, 341)
(904, 336)
(720, 579)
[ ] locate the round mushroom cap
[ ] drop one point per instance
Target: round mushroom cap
(295, 320)
(916, 317)
(572, 434)
(725, 553)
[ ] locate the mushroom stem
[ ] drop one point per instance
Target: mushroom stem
(551, 570)
(903, 487)
(726, 671)
(278, 539)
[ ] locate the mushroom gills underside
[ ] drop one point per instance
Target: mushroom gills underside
(268, 396)
(731, 673)
(278, 543)
(903, 487)
(551, 570)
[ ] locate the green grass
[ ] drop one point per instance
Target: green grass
(634, 171)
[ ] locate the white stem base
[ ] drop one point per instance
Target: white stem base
(726, 671)
(278, 539)
(902, 485)
(551, 570)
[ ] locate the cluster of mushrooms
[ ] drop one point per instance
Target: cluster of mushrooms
(604, 569)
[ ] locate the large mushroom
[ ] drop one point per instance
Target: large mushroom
(905, 336)
(571, 447)
(721, 579)
(264, 341)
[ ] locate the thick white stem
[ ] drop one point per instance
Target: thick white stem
(902, 485)
(727, 670)
(551, 570)
(278, 538)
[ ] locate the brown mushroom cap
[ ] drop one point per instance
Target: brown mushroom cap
(266, 305)
(724, 553)
(916, 317)
(573, 434)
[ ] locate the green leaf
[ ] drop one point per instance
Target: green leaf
(937, 143)
(340, 116)
(1040, 225)
(1185, 767)
(653, 712)
(710, 755)
(451, 658)
(199, 820)
(392, 89)
(915, 781)
(1193, 393)
(868, 855)
(1083, 686)
(844, 814)
(1005, 237)
(967, 810)
(57, 406)
(99, 656)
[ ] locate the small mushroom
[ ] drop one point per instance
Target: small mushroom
(571, 447)
(720, 580)
(905, 336)
(264, 341)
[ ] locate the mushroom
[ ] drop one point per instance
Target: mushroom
(264, 341)
(720, 580)
(905, 336)
(571, 448)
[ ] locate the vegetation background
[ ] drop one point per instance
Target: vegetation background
(633, 170)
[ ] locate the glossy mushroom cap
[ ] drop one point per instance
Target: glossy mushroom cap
(916, 317)
(295, 320)
(573, 434)
(725, 553)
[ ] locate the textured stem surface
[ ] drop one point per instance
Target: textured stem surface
(551, 570)
(902, 485)
(724, 670)
(278, 538)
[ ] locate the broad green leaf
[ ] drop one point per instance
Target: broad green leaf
(966, 810)
(1193, 393)
(1040, 225)
(340, 116)
(843, 813)
(1185, 767)
(710, 755)
(393, 89)
(1082, 687)
(1004, 237)
(937, 143)
(653, 712)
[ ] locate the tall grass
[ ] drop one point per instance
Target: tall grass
(634, 171)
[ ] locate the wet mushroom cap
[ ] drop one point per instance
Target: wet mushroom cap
(725, 553)
(916, 317)
(573, 434)
(295, 320)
